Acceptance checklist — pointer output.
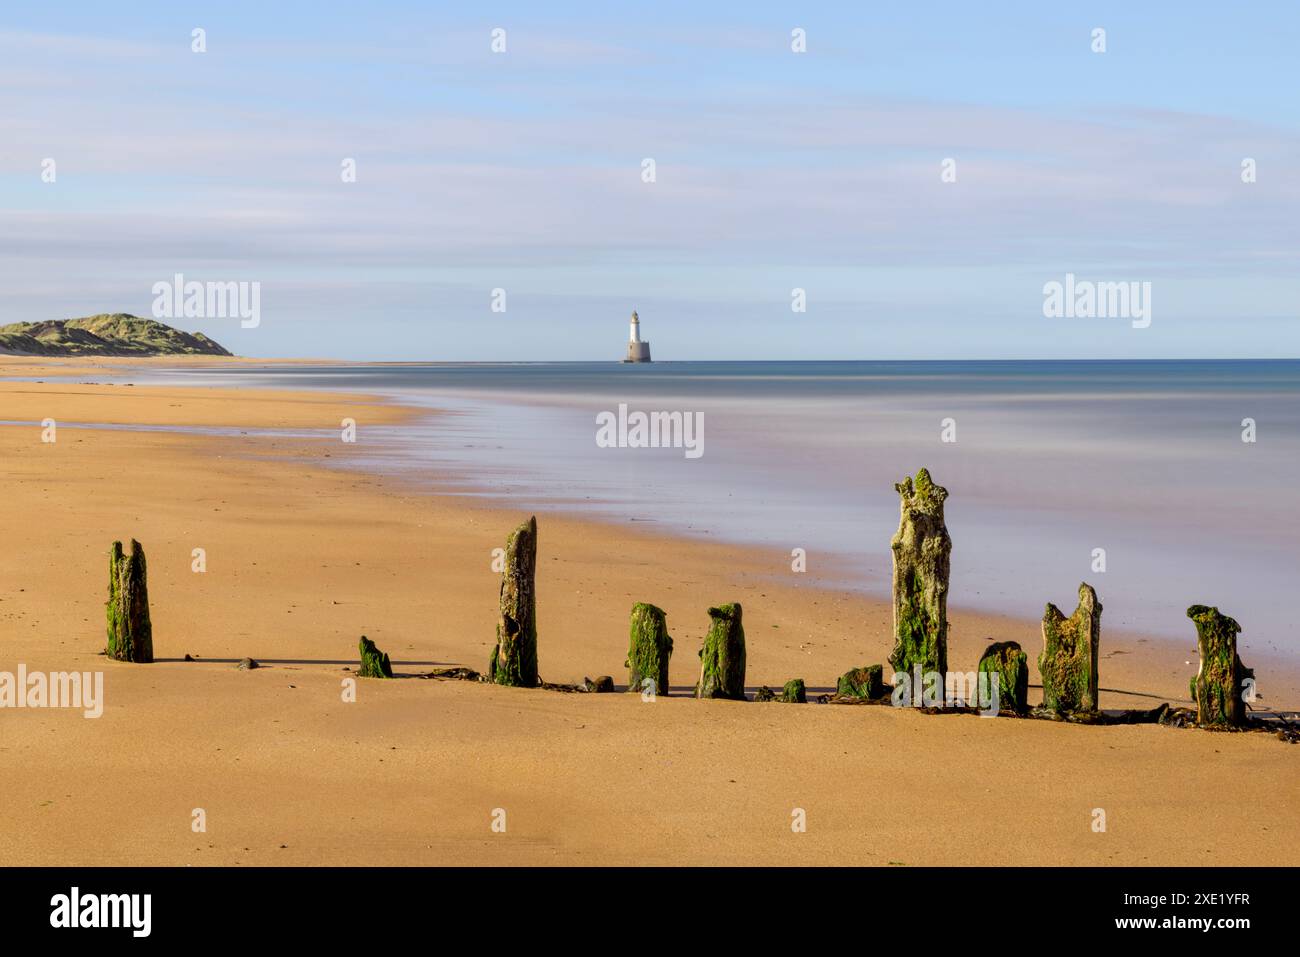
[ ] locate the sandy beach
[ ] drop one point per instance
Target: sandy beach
(304, 557)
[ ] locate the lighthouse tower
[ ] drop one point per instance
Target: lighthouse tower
(637, 351)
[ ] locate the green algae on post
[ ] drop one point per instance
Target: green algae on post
(1068, 664)
(794, 692)
(374, 663)
(514, 661)
(922, 550)
(130, 633)
(866, 683)
(722, 659)
(1219, 685)
(649, 649)
(1006, 660)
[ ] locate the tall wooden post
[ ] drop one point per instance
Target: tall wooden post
(514, 661)
(722, 659)
(1068, 663)
(649, 649)
(1219, 685)
(130, 634)
(922, 549)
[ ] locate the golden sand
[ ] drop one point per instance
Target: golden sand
(302, 558)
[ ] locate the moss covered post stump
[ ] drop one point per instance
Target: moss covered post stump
(130, 634)
(374, 663)
(649, 649)
(1006, 660)
(794, 692)
(1068, 663)
(1218, 688)
(514, 662)
(867, 683)
(922, 550)
(722, 659)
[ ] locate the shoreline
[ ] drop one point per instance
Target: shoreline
(800, 456)
(263, 409)
(303, 557)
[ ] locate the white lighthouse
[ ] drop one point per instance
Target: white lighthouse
(637, 351)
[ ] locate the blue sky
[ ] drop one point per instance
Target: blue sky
(774, 170)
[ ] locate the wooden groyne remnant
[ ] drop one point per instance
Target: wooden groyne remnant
(922, 550)
(374, 663)
(649, 650)
(514, 660)
(130, 633)
(722, 659)
(1006, 660)
(1068, 664)
(864, 684)
(1219, 687)
(794, 692)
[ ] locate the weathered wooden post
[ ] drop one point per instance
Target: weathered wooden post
(514, 661)
(921, 549)
(1219, 685)
(722, 659)
(649, 649)
(1068, 663)
(374, 663)
(130, 634)
(1006, 660)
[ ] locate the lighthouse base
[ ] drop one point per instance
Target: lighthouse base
(637, 352)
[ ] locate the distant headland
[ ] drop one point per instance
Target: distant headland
(115, 334)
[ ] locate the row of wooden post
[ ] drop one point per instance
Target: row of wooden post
(921, 566)
(1068, 664)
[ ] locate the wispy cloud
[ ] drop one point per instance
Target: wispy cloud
(230, 161)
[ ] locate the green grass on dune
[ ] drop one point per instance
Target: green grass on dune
(110, 334)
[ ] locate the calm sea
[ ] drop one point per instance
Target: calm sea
(1049, 462)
